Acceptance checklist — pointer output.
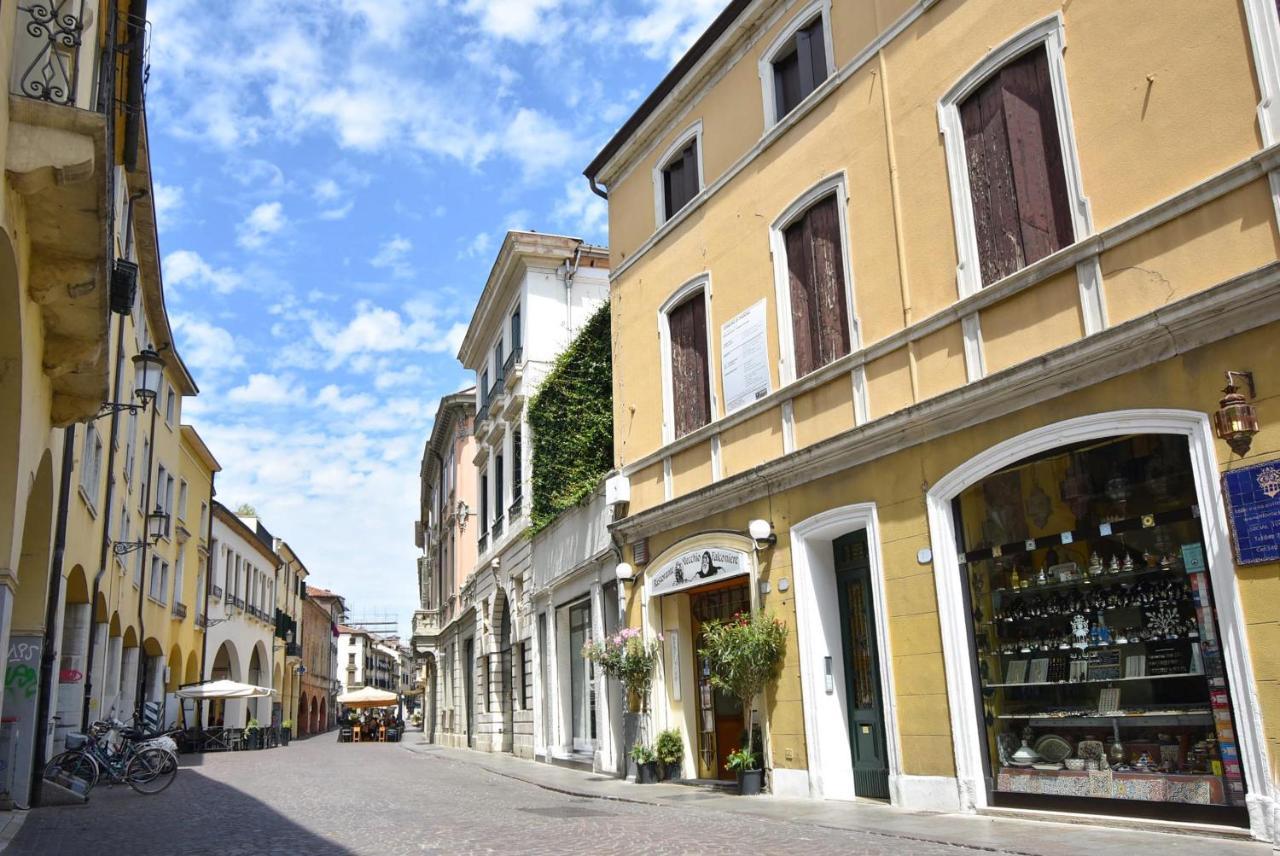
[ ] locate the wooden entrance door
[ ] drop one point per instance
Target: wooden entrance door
(721, 721)
(861, 666)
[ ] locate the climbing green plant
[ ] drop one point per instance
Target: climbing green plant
(571, 418)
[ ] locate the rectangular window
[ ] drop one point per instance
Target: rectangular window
(799, 68)
(515, 331)
(179, 566)
(819, 305)
(1017, 185)
(182, 500)
(484, 387)
(124, 529)
(168, 505)
(204, 518)
(690, 378)
(91, 464)
(498, 491)
(680, 179)
(517, 465)
(497, 359)
(129, 449)
(170, 407)
(142, 491)
(484, 503)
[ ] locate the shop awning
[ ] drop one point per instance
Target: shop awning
(369, 697)
(223, 689)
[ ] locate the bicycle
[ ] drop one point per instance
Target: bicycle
(138, 762)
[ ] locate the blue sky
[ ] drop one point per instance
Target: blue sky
(333, 178)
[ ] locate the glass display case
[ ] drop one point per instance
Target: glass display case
(1095, 639)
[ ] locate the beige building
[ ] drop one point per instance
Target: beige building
(944, 295)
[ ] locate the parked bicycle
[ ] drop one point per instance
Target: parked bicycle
(146, 763)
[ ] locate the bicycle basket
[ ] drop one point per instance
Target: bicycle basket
(75, 740)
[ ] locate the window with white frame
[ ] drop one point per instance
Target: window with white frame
(182, 500)
(131, 433)
(168, 505)
(179, 565)
(1016, 192)
(170, 406)
(686, 360)
(677, 176)
(815, 298)
(204, 518)
(142, 487)
(797, 62)
(91, 465)
(125, 527)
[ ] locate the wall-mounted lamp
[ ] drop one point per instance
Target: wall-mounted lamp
(625, 572)
(157, 525)
(761, 531)
(148, 367)
(1236, 420)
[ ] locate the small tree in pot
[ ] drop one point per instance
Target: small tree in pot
(744, 656)
(670, 749)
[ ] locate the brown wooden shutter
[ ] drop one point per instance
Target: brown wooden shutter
(690, 393)
(1017, 184)
(817, 53)
(832, 318)
(803, 304)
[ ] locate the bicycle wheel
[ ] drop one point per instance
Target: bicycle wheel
(72, 768)
(151, 770)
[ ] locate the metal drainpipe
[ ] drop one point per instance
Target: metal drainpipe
(142, 581)
(135, 78)
(571, 270)
(210, 564)
(597, 189)
(51, 613)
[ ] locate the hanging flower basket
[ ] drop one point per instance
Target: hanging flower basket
(626, 657)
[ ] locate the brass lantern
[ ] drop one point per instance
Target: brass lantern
(1236, 420)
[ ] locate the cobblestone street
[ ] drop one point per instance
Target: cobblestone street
(317, 797)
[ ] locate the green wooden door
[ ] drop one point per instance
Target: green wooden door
(861, 666)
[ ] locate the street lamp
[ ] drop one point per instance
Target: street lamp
(157, 525)
(148, 367)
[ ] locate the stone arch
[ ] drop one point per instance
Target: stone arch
(192, 673)
(77, 627)
(175, 669)
(225, 665)
(259, 708)
(130, 637)
(78, 587)
(33, 563)
(322, 721)
(501, 684)
(100, 612)
(11, 377)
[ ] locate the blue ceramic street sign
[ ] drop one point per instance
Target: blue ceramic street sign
(1253, 507)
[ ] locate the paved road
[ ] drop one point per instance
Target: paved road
(319, 797)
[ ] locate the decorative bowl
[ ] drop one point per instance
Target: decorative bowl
(1076, 764)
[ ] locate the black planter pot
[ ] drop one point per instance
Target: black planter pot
(671, 771)
(284, 737)
(647, 773)
(750, 782)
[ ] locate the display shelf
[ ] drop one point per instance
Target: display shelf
(1104, 579)
(1098, 681)
(1128, 644)
(1184, 603)
(1149, 521)
(1155, 719)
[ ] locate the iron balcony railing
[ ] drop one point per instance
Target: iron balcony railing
(482, 412)
(499, 384)
(482, 543)
(216, 591)
(512, 360)
(50, 48)
(517, 503)
(179, 610)
(292, 649)
(201, 621)
(497, 528)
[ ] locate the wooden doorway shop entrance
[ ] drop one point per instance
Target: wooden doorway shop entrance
(721, 722)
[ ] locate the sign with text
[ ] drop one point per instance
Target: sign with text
(698, 567)
(744, 358)
(1253, 508)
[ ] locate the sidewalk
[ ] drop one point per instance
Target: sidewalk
(1010, 835)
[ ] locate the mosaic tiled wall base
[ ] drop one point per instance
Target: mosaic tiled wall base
(1151, 787)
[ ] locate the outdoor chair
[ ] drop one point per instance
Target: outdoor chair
(344, 735)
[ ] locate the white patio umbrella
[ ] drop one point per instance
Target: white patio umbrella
(368, 697)
(223, 689)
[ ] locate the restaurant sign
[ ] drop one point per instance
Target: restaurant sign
(698, 567)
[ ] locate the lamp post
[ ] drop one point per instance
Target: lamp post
(148, 368)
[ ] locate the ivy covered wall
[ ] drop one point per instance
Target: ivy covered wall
(571, 418)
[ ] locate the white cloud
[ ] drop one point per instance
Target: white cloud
(391, 256)
(581, 212)
(337, 213)
(186, 268)
(538, 143)
(378, 330)
(477, 246)
(263, 221)
(167, 199)
(332, 398)
(524, 21)
(267, 389)
(387, 378)
(669, 27)
(326, 190)
(204, 346)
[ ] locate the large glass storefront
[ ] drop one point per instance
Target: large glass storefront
(1101, 681)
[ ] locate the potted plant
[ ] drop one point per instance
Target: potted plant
(646, 764)
(286, 732)
(746, 764)
(670, 751)
(744, 655)
(628, 658)
(253, 734)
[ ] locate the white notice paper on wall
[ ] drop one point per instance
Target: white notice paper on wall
(744, 358)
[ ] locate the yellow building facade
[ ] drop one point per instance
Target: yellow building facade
(96, 616)
(945, 293)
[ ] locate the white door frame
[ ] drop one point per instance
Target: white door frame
(1193, 425)
(819, 636)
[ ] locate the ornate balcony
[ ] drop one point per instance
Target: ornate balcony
(59, 163)
(179, 610)
(216, 591)
(293, 649)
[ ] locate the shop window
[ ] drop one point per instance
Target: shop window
(817, 289)
(1097, 644)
